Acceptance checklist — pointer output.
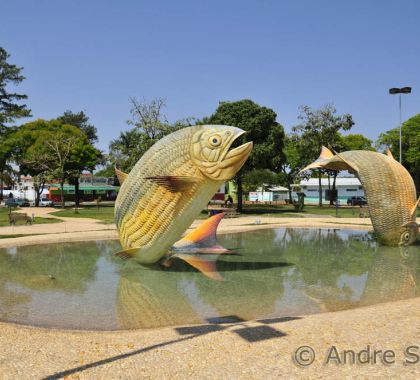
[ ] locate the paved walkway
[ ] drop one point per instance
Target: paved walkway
(244, 350)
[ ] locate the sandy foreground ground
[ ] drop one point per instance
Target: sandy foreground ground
(385, 338)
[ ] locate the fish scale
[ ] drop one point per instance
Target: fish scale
(389, 205)
(389, 190)
(169, 186)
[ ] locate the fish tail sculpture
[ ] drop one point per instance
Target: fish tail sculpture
(389, 189)
(201, 241)
(169, 186)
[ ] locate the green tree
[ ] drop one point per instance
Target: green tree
(264, 178)
(410, 146)
(317, 128)
(149, 125)
(10, 109)
(354, 142)
(293, 163)
(127, 149)
(51, 149)
(81, 121)
(262, 128)
(6, 170)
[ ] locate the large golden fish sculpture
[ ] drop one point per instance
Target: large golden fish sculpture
(169, 186)
(389, 189)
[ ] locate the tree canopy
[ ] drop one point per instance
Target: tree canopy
(263, 178)
(354, 142)
(81, 121)
(10, 109)
(319, 127)
(410, 146)
(149, 125)
(51, 149)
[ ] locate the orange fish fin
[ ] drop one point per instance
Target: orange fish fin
(121, 176)
(127, 253)
(388, 153)
(208, 268)
(414, 209)
(205, 233)
(174, 184)
(325, 153)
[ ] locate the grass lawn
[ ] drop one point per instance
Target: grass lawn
(343, 212)
(4, 220)
(289, 211)
(104, 213)
(16, 235)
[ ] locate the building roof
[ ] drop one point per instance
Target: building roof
(278, 188)
(274, 188)
(340, 181)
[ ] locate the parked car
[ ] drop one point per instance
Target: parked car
(356, 201)
(44, 202)
(16, 202)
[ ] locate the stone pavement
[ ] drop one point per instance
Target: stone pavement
(262, 349)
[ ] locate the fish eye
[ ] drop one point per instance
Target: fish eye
(406, 236)
(215, 140)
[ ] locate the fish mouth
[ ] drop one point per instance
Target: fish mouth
(232, 160)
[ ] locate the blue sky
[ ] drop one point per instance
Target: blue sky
(93, 55)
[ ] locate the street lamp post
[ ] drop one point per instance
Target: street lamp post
(399, 91)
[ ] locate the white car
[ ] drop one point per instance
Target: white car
(44, 202)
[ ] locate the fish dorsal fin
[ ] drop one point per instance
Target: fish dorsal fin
(174, 184)
(414, 209)
(325, 153)
(388, 153)
(121, 176)
(205, 234)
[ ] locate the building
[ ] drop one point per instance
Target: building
(24, 188)
(346, 187)
(272, 194)
(90, 188)
(220, 194)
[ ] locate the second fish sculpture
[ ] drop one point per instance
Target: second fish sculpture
(167, 189)
(389, 189)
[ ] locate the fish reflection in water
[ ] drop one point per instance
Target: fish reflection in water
(330, 269)
(390, 273)
(392, 276)
(150, 297)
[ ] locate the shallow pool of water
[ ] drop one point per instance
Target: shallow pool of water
(277, 273)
